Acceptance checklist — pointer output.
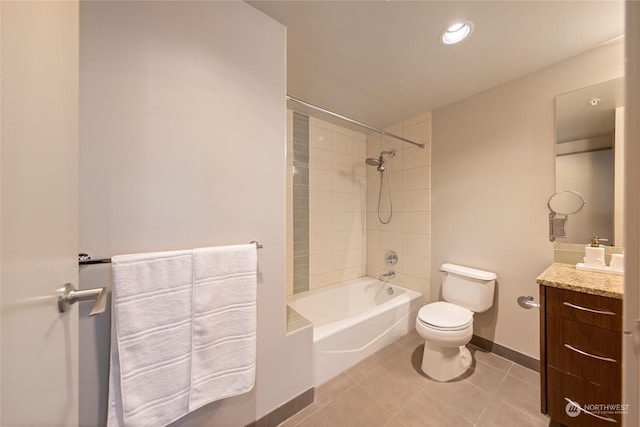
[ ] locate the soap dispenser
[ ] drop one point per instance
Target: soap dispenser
(594, 253)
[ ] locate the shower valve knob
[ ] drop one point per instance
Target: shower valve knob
(391, 258)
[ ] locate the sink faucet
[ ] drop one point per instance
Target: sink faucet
(390, 275)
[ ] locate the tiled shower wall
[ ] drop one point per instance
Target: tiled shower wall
(409, 231)
(337, 204)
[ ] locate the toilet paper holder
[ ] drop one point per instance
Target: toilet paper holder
(527, 302)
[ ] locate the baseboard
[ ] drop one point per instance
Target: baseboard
(507, 353)
(282, 413)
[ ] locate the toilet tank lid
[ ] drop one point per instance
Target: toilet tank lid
(474, 273)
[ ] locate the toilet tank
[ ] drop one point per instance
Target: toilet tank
(468, 287)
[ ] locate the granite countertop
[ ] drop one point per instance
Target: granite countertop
(566, 276)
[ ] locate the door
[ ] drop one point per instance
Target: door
(631, 344)
(38, 212)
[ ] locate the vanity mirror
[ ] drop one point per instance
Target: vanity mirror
(589, 159)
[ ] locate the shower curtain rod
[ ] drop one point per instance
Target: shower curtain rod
(355, 122)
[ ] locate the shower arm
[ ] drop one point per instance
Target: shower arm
(355, 122)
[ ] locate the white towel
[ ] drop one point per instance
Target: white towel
(151, 322)
(183, 332)
(224, 323)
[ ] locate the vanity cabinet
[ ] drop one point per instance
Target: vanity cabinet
(580, 357)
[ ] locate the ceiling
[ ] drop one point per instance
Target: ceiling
(380, 62)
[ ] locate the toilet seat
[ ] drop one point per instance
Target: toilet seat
(444, 316)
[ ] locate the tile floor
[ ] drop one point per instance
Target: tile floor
(389, 389)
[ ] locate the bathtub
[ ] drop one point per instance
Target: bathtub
(354, 319)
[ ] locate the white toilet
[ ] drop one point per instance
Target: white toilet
(447, 326)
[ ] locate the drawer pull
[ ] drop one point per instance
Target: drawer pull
(568, 304)
(584, 353)
(581, 409)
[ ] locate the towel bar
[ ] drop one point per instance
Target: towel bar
(85, 259)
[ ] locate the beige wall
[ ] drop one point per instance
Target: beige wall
(183, 132)
(409, 231)
(493, 171)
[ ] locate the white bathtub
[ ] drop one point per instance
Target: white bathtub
(354, 319)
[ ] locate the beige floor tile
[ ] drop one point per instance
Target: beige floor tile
(364, 369)
(390, 350)
(405, 362)
(425, 411)
(389, 389)
(485, 377)
(460, 396)
(355, 407)
(412, 339)
(525, 374)
(332, 389)
(490, 359)
(395, 422)
(317, 419)
(501, 414)
(521, 395)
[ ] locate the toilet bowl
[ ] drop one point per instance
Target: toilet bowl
(447, 326)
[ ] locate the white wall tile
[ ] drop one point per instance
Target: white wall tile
(320, 280)
(416, 200)
(342, 221)
(320, 137)
(418, 132)
(416, 266)
(320, 264)
(416, 178)
(373, 239)
(359, 147)
(416, 244)
(320, 159)
(342, 144)
(342, 202)
(313, 121)
(320, 180)
(415, 157)
(342, 241)
(417, 222)
(391, 240)
(320, 221)
(320, 201)
(320, 242)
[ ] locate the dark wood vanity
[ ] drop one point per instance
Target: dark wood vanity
(581, 346)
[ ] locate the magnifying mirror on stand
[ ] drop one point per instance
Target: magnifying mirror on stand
(561, 205)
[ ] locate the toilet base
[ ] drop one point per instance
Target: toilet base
(445, 363)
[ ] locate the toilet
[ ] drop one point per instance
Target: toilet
(447, 326)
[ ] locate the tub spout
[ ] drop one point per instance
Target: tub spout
(390, 275)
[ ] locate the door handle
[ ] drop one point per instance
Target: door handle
(68, 295)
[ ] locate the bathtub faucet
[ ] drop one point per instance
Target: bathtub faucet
(390, 275)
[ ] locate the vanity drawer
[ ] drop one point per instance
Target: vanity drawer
(563, 386)
(594, 310)
(586, 351)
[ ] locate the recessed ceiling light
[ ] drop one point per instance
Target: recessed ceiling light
(456, 33)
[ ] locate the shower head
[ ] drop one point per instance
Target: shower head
(373, 162)
(379, 162)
